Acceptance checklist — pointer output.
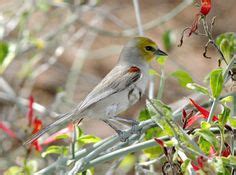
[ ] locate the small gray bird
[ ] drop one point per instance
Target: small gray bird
(122, 87)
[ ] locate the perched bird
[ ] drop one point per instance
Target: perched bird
(122, 87)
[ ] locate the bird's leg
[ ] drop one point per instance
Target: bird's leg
(134, 124)
(123, 135)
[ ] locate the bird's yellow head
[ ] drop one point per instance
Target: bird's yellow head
(148, 48)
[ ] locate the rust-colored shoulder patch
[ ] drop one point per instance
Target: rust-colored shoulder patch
(134, 69)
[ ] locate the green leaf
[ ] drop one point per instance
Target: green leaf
(209, 137)
(144, 115)
(216, 82)
(230, 161)
(127, 164)
(86, 139)
(14, 170)
(160, 106)
(198, 88)
(205, 125)
(219, 166)
(227, 44)
(168, 39)
(232, 121)
(153, 152)
(183, 77)
(63, 150)
(161, 60)
(153, 72)
(204, 145)
(227, 99)
(185, 164)
(62, 136)
(3, 51)
(223, 118)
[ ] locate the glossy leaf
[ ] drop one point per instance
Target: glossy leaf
(183, 77)
(216, 82)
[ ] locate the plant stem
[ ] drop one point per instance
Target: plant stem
(161, 86)
(213, 107)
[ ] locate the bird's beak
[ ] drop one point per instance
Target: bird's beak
(159, 52)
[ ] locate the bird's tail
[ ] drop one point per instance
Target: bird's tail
(62, 119)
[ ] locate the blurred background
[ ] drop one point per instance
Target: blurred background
(58, 50)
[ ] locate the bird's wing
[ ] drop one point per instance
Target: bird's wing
(115, 81)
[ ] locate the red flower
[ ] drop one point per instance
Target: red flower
(205, 7)
(200, 163)
(37, 125)
(227, 151)
(7, 130)
(30, 110)
(204, 114)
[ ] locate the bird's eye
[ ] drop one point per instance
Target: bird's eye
(149, 48)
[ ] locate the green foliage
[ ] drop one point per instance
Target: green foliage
(208, 136)
(216, 82)
(185, 165)
(127, 163)
(62, 150)
(168, 39)
(227, 44)
(153, 72)
(153, 152)
(223, 118)
(86, 139)
(3, 51)
(183, 77)
(198, 88)
(161, 60)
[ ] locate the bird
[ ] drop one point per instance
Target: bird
(121, 88)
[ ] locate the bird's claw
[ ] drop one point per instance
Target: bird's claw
(135, 128)
(123, 135)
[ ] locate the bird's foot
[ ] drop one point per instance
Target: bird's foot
(135, 129)
(123, 135)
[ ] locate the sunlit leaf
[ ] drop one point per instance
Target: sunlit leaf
(144, 115)
(127, 163)
(63, 150)
(86, 139)
(227, 99)
(232, 121)
(205, 125)
(216, 82)
(161, 60)
(153, 72)
(198, 88)
(153, 152)
(183, 77)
